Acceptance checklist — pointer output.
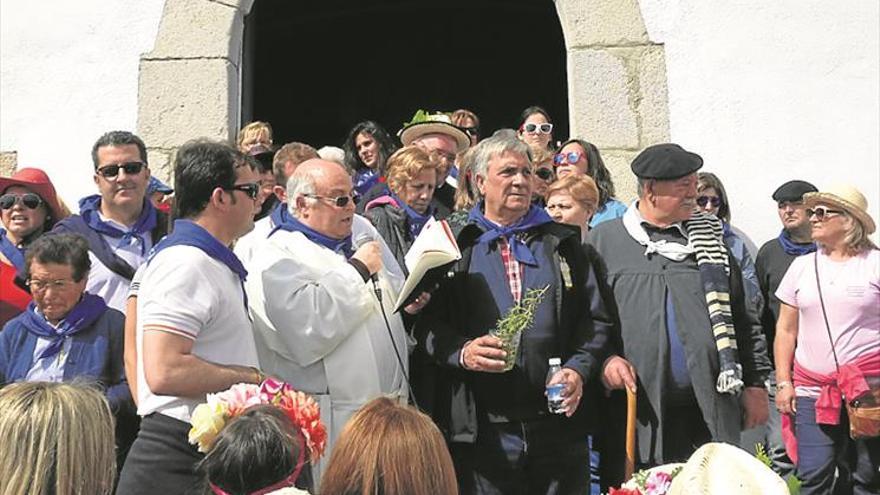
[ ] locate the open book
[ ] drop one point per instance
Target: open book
(435, 246)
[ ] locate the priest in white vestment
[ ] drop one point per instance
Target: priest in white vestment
(318, 323)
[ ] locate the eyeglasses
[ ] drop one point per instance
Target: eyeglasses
(112, 171)
(471, 131)
(542, 128)
(29, 200)
(571, 157)
(702, 201)
(338, 201)
(544, 173)
(37, 285)
(252, 189)
(821, 212)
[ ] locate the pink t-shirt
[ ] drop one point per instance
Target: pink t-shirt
(851, 290)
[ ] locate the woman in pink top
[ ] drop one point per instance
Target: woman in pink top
(812, 373)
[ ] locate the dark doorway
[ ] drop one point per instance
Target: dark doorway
(314, 68)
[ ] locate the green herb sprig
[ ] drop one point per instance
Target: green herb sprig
(518, 318)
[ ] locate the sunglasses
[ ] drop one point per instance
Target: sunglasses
(702, 201)
(251, 189)
(338, 201)
(571, 158)
(29, 200)
(542, 128)
(544, 173)
(471, 131)
(112, 171)
(821, 212)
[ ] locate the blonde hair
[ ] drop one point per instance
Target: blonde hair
(540, 156)
(255, 129)
(390, 449)
(57, 438)
(466, 195)
(855, 237)
(406, 164)
(582, 188)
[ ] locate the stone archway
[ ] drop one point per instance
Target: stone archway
(190, 84)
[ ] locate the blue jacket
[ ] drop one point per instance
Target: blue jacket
(95, 353)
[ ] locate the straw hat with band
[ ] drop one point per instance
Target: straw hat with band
(423, 124)
(37, 182)
(846, 198)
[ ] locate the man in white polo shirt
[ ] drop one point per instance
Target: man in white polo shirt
(193, 333)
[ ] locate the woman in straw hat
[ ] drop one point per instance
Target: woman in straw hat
(29, 207)
(828, 342)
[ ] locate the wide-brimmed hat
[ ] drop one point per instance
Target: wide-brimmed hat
(722, 469)
(37, 181)
(847, 198)
(424, 123)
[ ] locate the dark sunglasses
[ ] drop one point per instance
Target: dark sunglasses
(251, 189)
(111, 171)
(571, 157)
(821, 212)
(338, 201)
(29, 200)
(542, 128)
(544, 173)
(471, 131)
(704, 200)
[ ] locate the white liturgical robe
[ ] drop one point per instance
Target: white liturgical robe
(318, 325)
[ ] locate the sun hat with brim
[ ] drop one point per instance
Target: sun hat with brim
(424, 123)
(844, 197)
(722, 469)
(38, 182)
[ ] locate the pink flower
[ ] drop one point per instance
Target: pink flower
(624, 491)
(238, 398)
(658, 483)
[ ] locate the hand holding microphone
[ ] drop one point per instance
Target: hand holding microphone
(369, 253)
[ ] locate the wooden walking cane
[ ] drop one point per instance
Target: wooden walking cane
(630, 465)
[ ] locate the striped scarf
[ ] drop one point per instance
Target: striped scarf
(705, 235)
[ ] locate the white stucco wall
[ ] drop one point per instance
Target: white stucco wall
(764, 91)
(770, 91)
(68, 73)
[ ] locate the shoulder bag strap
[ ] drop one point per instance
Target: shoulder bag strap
(824, 315)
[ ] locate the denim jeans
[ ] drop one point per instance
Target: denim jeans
(823, 448)
(531, 457)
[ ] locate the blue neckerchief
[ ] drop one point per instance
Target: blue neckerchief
(88, 210)
(189, 233)
(291, 224)
(416, 220)
(793, 248)
(364, 179)
(453, 172)
(13, 253)
(279, 215)
(492, 231)
(81, 316)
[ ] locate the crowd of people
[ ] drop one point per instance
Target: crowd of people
(265, 263)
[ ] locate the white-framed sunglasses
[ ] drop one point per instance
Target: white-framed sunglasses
(545, 128)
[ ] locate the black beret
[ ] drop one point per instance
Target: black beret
(793, 190)
(665, 162)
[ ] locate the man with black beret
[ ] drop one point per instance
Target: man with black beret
(698, 348)
(772, 262)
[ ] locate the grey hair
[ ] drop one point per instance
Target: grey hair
(641, 183)
(501, 142)
(299, 184)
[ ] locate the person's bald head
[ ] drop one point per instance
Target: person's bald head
(315, 191)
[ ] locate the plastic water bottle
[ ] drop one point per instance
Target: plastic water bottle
(554, 392)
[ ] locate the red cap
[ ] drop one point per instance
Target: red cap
(38, 182)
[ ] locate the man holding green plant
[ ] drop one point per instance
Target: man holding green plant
(524, 278)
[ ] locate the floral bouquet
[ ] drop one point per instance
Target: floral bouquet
(208, 419)
(654, 481)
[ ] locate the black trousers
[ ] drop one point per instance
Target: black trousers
(161, 460)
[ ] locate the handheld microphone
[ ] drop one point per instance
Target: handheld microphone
(360, 240)
(357, 242)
